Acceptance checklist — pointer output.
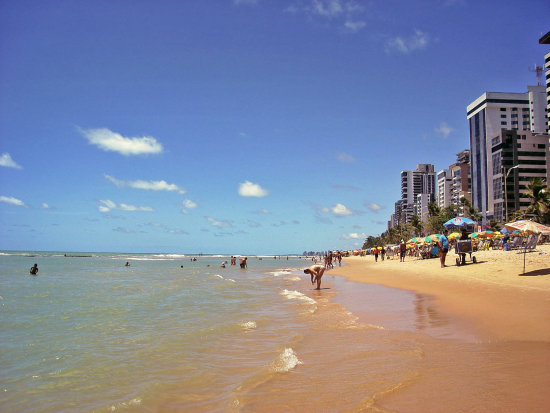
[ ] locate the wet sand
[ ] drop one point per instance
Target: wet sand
(493, 295)
(505, 367)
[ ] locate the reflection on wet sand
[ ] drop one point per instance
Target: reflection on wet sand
(427, 315)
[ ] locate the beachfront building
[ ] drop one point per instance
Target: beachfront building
(488, 115)
(546, 40)
(413, 183)
(517, 157)
(444, 187)
(421, 205)
(461, 186)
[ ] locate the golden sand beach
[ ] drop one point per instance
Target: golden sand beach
(506, 368)
(494, 294)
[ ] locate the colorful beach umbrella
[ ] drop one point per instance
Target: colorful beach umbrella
(528, 226)
(458, 222)
(454, 235)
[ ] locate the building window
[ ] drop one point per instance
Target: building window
(514, 115)
(497, 188)
(504, 123)
(503, 109)
(497, 163)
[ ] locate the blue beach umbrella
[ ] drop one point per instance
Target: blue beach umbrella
(458, 222)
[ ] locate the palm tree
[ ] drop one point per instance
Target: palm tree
(470, 211)
(539, 194)
(417, 224)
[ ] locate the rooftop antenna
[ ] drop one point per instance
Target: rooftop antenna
(538, 70)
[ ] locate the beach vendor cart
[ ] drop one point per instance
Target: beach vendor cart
(464, 246)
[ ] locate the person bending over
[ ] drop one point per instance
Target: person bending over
(316, 272)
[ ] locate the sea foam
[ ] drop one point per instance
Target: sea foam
(286, 361)
(248, 325)
(296, 295)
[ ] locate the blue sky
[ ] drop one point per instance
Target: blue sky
(249, 126)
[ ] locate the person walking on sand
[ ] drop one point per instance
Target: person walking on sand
(402, 251)
(444, 244)
(316, 272)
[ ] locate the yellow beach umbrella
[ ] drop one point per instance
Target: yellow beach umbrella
(454, 235)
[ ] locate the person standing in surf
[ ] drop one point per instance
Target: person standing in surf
(316, 272)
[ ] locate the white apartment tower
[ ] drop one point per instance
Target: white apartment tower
(546, 40)
(444, 188)
(488, 115)
(413, 183)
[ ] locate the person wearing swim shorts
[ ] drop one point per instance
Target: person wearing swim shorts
(316, 272)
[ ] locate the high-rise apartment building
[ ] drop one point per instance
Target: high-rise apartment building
(419, 181)
(517, 157)
(454, 183)
(461, 186)
(546, 40)
(444, 188)
(421, 205)
(488, 115)
(413, 183)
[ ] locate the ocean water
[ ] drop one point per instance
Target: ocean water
(168, 334)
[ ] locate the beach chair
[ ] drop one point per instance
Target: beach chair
(515, 243)
(532, 242)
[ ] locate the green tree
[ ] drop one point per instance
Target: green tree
(539, 194)
(417, 225)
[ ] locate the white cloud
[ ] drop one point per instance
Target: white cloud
(354, 26)
(327, 8)
(107, 205)
(45, 206)
(108, 140)
(444, 130)
(418, 41)
(354, 235)
(248, 189)
(346, 157)
(146, 185)
(8, 162)
(220, 223)
(188, 204)
(12, 201)
(345, 12)
(373, 206)
(341, 209)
